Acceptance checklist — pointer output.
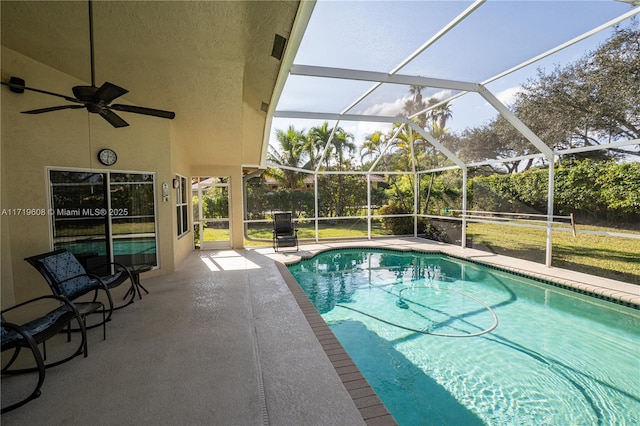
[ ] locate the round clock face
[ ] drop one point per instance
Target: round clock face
(107, 157)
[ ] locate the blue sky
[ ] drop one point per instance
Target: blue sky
(378, 35)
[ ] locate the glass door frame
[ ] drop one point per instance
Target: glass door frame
(216, 182)
(108, 212)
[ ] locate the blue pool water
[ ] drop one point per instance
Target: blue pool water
(121, 246)
(449, 342)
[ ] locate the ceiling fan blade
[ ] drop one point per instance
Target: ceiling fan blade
(55, 108)
(17, 84)
(113, 118)
(109, 91)
(146, 111)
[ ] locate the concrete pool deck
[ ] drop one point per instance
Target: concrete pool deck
(224, 341)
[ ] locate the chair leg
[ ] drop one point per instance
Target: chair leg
(104, 325)
(16, 352)
(131, 290)
(85, 345)
(41, 373)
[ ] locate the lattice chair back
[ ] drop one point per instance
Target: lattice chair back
(66, 277)
(69, 277)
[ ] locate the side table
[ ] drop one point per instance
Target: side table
(136, 270)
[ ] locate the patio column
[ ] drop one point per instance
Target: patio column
(550, 192)
(464, 207)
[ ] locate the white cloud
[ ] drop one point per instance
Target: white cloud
(361, 129)
(387, 109)
(508, 96)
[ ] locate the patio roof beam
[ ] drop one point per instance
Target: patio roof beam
(439, 169)
(284, 167)
(506, 160)
(381, 77)
(334, 116)
(515, 122)
(433, 141)
(598, 147)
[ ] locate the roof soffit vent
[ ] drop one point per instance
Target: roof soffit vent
(279, 43)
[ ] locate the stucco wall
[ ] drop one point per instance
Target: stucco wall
(180, 165)
(67, 139)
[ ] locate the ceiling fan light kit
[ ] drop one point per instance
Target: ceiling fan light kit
(96, 100)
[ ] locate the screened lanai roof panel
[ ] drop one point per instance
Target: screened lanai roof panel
(502, 34)
(363, 36)
(318, 94)
(398, 100)
(372, 35)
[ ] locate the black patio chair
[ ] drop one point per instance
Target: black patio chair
(284, 234)
(67, 277)
(34, 332)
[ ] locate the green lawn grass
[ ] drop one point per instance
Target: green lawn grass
(605, 256)
(352, 229)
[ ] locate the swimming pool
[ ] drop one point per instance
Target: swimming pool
(447, 341)
(134, 245)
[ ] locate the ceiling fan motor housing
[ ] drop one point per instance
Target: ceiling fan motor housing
(85, 93)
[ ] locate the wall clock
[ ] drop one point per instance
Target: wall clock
(107, 157)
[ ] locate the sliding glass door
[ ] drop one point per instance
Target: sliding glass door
(104, 216)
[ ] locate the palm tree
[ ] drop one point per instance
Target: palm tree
(318, 138)
(416, 93)
(291, 154)
(342, 141)
(439, 115)
(373, 145)
(416, 104)
(316, 141)
(402, 141)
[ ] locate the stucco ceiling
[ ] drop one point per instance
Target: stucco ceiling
(201, 59)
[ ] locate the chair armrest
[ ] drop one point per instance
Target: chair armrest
(63, 301)
(22, 332)
(123, 267)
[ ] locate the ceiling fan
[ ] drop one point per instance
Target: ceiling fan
(95, 99)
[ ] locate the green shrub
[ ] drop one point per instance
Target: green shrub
(396, 225)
